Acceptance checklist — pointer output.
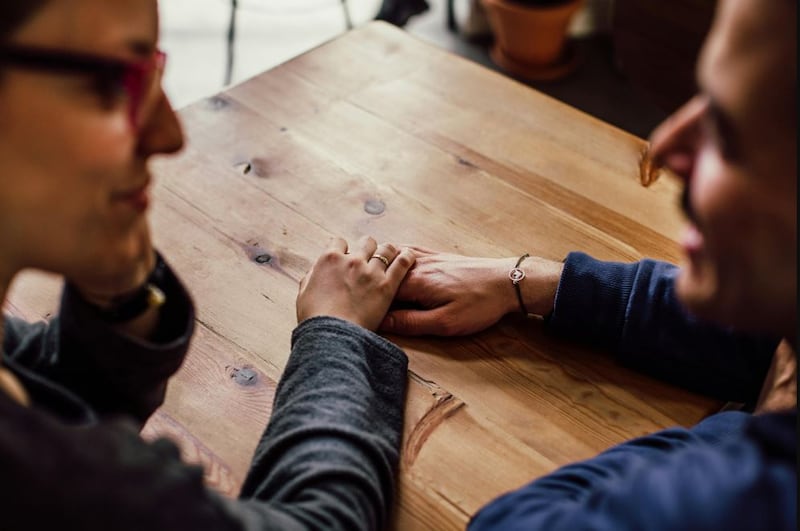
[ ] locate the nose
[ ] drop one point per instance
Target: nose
(161, 133)
(673, 144)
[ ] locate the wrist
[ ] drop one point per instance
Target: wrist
(516, 275)
(538, 288)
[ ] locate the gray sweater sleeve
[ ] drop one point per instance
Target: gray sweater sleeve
(329, 456)
(327, 459)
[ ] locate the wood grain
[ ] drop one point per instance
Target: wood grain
(377, 133)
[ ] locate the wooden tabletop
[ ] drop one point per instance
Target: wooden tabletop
(378, 133)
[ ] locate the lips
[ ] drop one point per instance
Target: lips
(137, 198)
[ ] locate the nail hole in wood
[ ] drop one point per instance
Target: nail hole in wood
(374, 207)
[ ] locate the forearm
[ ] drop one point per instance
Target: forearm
(633, 310)
(329, 455)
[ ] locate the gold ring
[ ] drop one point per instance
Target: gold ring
(381, 258)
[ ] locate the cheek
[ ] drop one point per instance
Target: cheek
(66, 171)
(749, 237)
(57, 178)
(76, 147)
(721, 199)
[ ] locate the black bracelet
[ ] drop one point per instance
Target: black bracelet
(516, 275)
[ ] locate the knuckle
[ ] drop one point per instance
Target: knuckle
(404, 260)
(329, 257)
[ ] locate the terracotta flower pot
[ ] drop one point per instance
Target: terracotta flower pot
(530, 41)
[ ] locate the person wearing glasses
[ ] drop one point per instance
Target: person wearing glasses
(82, 113)
(711, 325)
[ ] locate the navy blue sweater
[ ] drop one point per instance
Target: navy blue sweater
(733, 471)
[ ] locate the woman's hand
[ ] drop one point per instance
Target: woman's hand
(459, 295)
(355, 286)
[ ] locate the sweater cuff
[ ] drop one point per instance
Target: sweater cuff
(592, 300)
(340, 327)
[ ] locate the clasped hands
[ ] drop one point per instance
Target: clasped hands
(420, 292)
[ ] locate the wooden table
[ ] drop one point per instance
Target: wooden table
(377, 133)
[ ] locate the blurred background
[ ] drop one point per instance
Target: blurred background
(635, 65)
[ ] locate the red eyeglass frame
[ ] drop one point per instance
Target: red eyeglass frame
(138, 78)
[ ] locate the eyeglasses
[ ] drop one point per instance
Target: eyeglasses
(138, 80)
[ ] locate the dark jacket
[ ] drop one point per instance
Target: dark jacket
(74, 459)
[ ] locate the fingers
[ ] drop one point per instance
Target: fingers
(383, 256)
(380, 257)
(420, 251)
(398, 268)
(415, 322)
(338, 245)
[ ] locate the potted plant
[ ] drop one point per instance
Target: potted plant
(531, 36)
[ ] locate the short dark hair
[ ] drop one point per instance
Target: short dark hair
(14, 13)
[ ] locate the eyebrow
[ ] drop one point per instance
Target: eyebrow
(141, 47)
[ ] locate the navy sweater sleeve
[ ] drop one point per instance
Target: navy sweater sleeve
(731, 472)
(633, 311)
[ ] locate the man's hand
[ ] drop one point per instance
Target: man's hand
(459, 295)
(355, 286)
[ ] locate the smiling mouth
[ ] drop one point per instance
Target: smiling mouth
(137, 198)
